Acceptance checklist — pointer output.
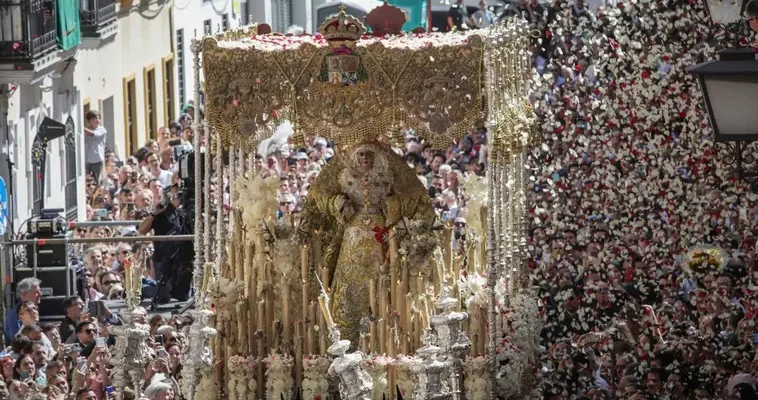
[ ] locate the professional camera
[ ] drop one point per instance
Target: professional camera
(185, 157)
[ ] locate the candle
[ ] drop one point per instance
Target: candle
(310, 342)
(393, 269)
(382, 337)
(418, 324)
(260, 316)
(298, 354)
(365, 343)
(372, 296)
(325, 311)
(128, 276)
(474, 331)
(425, 313)
(285, 315)
(407, 329)
(311, 324)
(372, 338)
(322, 332)
(304, 284)
(482, 329)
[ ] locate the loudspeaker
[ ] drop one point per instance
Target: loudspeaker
(57, 283)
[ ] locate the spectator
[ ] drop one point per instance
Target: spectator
(483, 18)
(457, 17)
(73, 307)
(94, 145)
(27, 290)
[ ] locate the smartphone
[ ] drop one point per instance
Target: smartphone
(755, 338)
(101, 212)
(95, 308)
(100, 342)
(24, 375)
(161, 353)
(119, 163)
(159, 339)
(81, 364)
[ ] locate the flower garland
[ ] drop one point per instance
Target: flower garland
(376, 366)
(279, 382)
(475, 377)
(207, 389)
(406, 378)
(315, 383)
(241, 385)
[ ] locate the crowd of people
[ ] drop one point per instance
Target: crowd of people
(643, 242)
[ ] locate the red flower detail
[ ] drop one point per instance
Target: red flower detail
(16, 46)
(645, 74)
(275, 113)
(235, 103)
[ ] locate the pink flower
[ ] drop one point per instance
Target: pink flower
(16, 46)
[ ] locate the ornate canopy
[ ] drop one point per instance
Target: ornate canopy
(349, 86)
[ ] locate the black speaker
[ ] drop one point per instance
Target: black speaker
(47, 255)
(57, 283)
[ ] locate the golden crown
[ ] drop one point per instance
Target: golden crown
(342, 27)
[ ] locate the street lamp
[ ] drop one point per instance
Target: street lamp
(730, 89)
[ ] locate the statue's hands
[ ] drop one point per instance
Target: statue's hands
(347, 210)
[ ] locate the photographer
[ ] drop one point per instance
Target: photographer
(171, 260)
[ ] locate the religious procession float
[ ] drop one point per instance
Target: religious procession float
(366, 294)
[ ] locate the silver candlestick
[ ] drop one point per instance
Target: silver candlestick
(432, 382)
(354, 382)
(452, 341)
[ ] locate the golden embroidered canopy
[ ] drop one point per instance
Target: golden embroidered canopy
(350, 87)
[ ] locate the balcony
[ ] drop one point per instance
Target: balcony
(98, 18)
(27, 34)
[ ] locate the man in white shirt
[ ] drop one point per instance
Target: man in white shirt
(94, 144)
(483, 18)
(154, 165)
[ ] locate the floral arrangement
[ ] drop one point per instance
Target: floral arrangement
(256, 197)
(519, 347)
(406, 378)
(376, 366)
(702, 259)
(207, 389)
(475, 377)
(474, 288)
(279, 382)
(285, 253)
(315, 383)
(241, 384)
(416, 243)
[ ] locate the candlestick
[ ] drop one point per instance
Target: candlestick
(304, 285)
(310, 342)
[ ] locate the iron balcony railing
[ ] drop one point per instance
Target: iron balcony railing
(95, 14)
(27, 29)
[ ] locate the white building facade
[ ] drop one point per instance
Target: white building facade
(124, 67)
(195, 18)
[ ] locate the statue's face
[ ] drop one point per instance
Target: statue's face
(365, 159)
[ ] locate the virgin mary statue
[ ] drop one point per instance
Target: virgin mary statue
(356, 201)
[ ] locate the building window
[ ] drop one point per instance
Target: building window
(207, 29)
(130, 115)
(151, 114)
(245, 17)
(180, 64)
(282, 15)
(169, 108)
(225, 22)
